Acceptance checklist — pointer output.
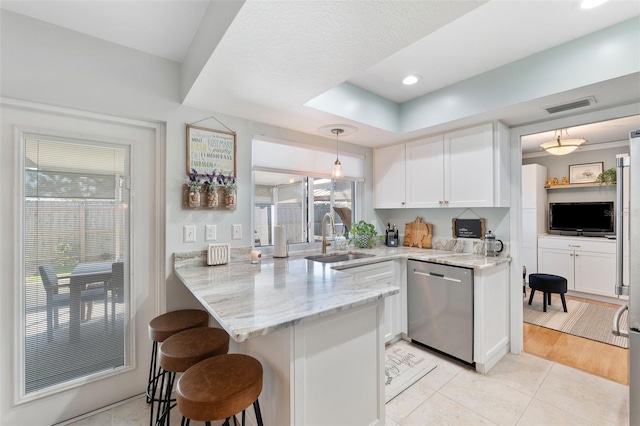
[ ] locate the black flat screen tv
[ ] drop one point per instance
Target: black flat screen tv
(587, 218)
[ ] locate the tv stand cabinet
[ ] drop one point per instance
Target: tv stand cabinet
(588, 263)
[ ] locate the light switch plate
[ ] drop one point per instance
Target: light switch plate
(209, 232)
(189, 234)
(236, 233)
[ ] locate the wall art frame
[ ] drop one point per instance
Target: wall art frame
(585, 173)
(209, 150)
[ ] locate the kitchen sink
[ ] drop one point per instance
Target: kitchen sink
(338, 257)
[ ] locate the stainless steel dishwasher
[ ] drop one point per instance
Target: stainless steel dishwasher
(440, 307)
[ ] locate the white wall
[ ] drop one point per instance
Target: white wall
(50, 65)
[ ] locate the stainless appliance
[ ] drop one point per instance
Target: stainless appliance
(628, 244)
(492, 246)
(440, 307)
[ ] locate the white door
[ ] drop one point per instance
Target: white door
(595, 273)
(90, 209)
(557, 262)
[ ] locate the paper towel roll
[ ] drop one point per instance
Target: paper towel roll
(280, 242)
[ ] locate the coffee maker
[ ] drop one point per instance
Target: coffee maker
(391, 236)
(492, 246)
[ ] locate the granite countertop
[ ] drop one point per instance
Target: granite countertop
(251, 300)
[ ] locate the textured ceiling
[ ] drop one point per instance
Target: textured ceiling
(276, 56)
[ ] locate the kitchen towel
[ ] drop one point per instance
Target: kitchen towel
(280, 242)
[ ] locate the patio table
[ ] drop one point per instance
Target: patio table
(83, 274)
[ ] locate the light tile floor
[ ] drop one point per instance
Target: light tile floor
(519, 390)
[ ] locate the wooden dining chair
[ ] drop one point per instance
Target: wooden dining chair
(56, 300)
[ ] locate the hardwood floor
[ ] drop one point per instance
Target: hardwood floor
(600, 359)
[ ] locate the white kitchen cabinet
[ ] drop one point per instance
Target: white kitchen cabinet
(386, 272)
(490, 316)
(534, 213)
(588, 264)
(425, 172)
(389, 177)
(465, 168)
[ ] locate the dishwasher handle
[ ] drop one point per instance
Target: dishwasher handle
(435, 275)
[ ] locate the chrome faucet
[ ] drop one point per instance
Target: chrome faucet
(325, 243)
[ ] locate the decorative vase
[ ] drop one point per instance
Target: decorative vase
(194, 199)
(213, 199)
(363, 241)
(230, 200)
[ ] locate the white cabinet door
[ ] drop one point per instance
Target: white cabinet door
(469, 167)
(389, 177)
(425, 172)
(595, 273)
(557, 262)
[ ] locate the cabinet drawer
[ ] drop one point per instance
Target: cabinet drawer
(376, 271)
(598, 245)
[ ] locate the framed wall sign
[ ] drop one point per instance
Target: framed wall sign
(468, 228)
(209, 150)
(585, 173)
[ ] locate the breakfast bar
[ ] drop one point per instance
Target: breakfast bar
(318, 331)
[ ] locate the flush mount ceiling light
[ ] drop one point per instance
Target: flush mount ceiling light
(562, 143)
(337, 172)
(590, 4)
(411, 79)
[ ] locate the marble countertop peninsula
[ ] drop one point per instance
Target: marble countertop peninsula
(251, 300)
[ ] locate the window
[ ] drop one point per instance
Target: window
(283, 199)
(292, 187)
(76, 244)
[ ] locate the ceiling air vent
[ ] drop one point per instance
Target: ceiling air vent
(580, 103)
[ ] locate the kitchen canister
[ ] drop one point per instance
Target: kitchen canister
(280, 246)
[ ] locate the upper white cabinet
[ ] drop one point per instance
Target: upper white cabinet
(466, 168)
(389, 177)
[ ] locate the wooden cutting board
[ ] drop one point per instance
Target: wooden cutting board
(418, 234)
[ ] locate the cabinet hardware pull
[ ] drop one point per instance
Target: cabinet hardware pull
(573, 245)
(440, 202)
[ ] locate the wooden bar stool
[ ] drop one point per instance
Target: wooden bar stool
(220, 387)
(164, 326)
(181, 351)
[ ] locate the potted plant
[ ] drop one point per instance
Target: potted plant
(212, 184)
(194, 184)
(364, 234)
(608, 177)
(230, 186)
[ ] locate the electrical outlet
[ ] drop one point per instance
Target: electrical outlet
(236, 232)
(210, 233)
(189, 234)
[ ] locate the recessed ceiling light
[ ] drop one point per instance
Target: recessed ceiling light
(411, 79)
(590, 4)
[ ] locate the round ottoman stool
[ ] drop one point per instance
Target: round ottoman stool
(547, 284)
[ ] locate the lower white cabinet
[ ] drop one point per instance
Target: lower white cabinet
(588, 264)
(384, 272)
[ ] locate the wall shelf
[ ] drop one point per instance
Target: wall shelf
(579, 185)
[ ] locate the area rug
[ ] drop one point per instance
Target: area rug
(583, 319)
(404, 365)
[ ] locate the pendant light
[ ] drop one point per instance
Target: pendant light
(562, 143)
(337, 172)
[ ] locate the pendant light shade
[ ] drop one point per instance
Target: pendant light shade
(337, 172)
(562, 143)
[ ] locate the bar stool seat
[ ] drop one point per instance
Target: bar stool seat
(181, 351)
(164, 326)
(220, 387)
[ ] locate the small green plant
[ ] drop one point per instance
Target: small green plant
(364, 235)
(608, 177)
